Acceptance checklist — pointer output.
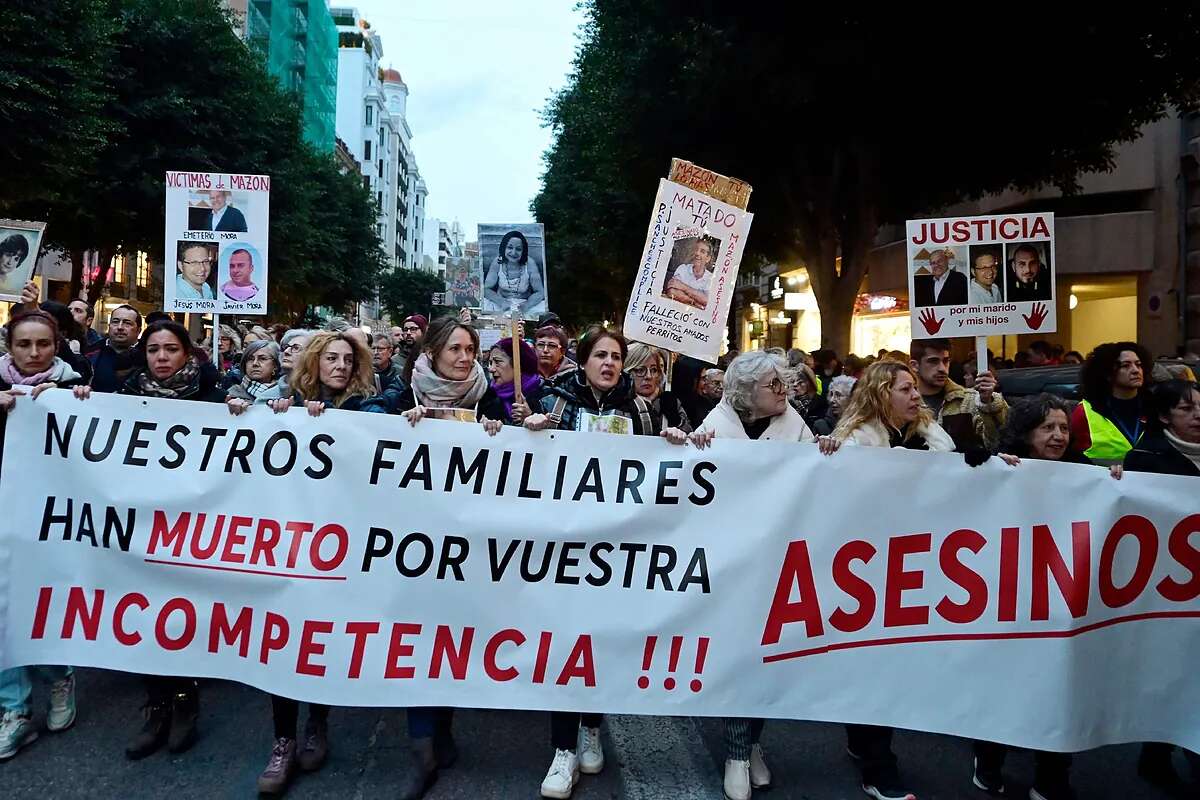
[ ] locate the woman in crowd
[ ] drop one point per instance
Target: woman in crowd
(648, 367)
(261, 372)
(333, 371)
(514, 279)
(886, 410)
(229, 348)
(447, 382)
(1171, 448)
(1037, 428)
(32, 364)
(551, 344)
(256, 334)
(174, 370)
(804, 395)
(598, 396)
(500, 403)
(837, 396)
(291, 345)
(754, 406)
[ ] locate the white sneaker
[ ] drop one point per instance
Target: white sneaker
(591, 752)
(737, 779)
(16, 731)
(62, 705)
(760, 773)
(563, 775)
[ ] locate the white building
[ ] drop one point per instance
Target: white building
(371, 119)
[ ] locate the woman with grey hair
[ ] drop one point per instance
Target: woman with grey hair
(836, 397)
(291, 345)
(261, 370)
(805, 396)
(755, 406)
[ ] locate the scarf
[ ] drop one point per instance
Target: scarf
(1189, 450)
(57, 372)
(181, 384)
(256, 389)
(235, 292)
(434, 391)
(507, 392)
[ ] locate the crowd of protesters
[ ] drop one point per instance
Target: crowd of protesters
(1132, 417)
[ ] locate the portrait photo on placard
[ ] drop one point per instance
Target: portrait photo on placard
(241, 274)
(1028, 274)
(218, 210)
(195, 271)
(514, 269)
(940, 276)
(19, 247)
(462, 282)
(690, 270)
(987, 275)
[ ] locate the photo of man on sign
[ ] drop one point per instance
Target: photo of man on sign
(688, 282)
(940, 284)
(1028, 272)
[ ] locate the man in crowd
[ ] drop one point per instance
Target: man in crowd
(1026, 279)
(944, 286)
(1116, 409)
(712, 388)
(1041, 354)
(386, 374)
(972, 417)
(114, 358)
(984, 290)
(550, 342)
(412, 333)
(85, 315)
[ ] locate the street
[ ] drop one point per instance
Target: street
(504, 754)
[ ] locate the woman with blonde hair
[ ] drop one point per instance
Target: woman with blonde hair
(648, 367)
(334, 371)
(886, 410)
(805, 395)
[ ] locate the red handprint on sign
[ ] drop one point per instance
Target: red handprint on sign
(1035, 320)
(929, 319)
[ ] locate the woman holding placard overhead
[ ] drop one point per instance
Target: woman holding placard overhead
(597, 397)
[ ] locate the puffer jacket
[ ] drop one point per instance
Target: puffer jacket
(566, 400)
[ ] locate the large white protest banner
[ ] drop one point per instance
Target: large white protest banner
(982, 276)
(216, 243)
(686, 276)
(356, 560)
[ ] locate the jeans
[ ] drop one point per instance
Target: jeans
(16, 685)
(424, 721)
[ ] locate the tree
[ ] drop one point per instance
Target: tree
(409, 291)
(866, 116)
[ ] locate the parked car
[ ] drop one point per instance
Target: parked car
(1060, 379)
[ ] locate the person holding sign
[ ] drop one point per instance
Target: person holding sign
(972, 417)
(690, 281)
(755, 404)
(501, 402)
(334, 371)
(598, 396)
(647, 365)
(447, 380)
(32, 363)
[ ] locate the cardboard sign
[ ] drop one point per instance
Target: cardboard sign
(981, 276)
(216, 243)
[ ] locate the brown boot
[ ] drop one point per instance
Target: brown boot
(316, 745)
(422, 771)
(280, 769)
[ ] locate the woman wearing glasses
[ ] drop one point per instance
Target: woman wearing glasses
(291, 345)
(648, 367)
(195, 265)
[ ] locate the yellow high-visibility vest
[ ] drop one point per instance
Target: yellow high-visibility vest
(1109, 445)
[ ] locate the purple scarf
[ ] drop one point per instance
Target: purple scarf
(507, 392)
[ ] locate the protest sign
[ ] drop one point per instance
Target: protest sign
(357, 560)
(20, 242)
(216, 243)
(464, 282)
(981, 276)
(688, 269)
(513, 269)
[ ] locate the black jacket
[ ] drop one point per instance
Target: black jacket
(954, 291)
(112, 368)
(1157, 454)
(576, 394)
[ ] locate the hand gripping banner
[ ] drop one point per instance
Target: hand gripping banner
(355, 560)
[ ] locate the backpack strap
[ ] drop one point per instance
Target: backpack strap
(556, 413)
(645, 413)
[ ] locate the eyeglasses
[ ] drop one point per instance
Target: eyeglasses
(380, 348)
(642, 372)
(548, 346)
(295, 347)
(205, 261)
(411, 329)
(776, 386)
(985, 269)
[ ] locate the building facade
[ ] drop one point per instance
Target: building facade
(299, 42)
(1127, 247)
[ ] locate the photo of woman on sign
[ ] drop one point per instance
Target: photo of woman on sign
(514, 275)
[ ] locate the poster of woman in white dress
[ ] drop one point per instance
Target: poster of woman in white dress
(514, 268)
